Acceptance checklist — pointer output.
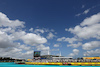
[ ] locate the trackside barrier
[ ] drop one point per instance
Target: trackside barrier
(65, 63)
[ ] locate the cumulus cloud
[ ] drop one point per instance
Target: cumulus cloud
(50, 36)
(56, 45)
(11, 33)
(4, 21)
(39, 31)
(72, 41)
(5, 40)
(42, 47)
(66, 29)
(71, 55)
(74, 45)
(6, 29)
(69, 40)
(31, 29)
(94, 19)
(75, 52)
(61, 39)
(16, 53)
(92, 52)
(89, 28)
(91, 45)
(9, 52)
(29, 52)
(24, 47)
(33, 39)
(18, 34)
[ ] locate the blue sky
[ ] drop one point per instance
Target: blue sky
(67, 26)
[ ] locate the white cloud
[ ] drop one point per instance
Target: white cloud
(94, 19)
(44, 30)
(4, 21)
(92, 52)
(52, 30)
(39, 31)
(71, 54)
(86, 11)
(66, 29)
(11, 52)
(89, 28)
(24, 47)
(29, 52)
(5, 40)
(11, 33)
(24, 55)
(83, 6)
(75, 52)
(42, 47)
(17, 34)
(75, 45)
(72, 41)
(69, 40)
(54, 49)
(6, 29)
(61, 39)
(50, 36)
(31, 29)
(78, 14)
(56, 45)
(16, 53)
(33, 39)
(91, 45)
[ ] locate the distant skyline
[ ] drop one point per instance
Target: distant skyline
(71, 27)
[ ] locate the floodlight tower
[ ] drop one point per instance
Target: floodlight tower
(59, 53)
(48, 52)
